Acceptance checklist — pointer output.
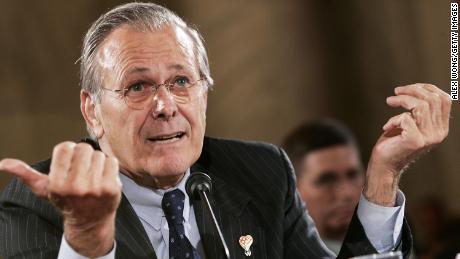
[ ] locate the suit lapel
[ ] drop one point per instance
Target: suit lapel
(227, 203)
(208, 236)
(223, 195)
(132, 240)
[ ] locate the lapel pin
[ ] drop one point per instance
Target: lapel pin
(245, 243)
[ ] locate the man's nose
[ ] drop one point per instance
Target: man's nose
(347, 189)
(164, 106)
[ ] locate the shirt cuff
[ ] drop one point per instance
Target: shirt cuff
(67, 252)
(382, 225)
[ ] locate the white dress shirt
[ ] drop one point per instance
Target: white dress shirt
(382, 224)
(377, 215)
(147, 205)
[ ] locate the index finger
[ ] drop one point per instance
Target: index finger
(416, 90)
(60, 164)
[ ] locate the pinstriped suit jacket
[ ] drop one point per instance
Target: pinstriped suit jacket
(253, 194)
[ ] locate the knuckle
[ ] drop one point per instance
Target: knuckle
(99, 156)
(83, 148)
(444, 96)
(112, 163)
(431, 97)
(436, 98)
(63, 148)
(78, 189)
(425, 104)
(113, 160)
(431, 86)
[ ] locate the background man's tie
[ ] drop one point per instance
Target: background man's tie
(179, 245)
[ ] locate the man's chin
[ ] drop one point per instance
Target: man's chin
(170, 172)
(341, 219)
(163, 177)
(173, 166)
(168, 164)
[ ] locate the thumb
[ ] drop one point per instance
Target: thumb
(37, 181)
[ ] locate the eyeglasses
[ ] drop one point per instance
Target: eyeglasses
(140, 95)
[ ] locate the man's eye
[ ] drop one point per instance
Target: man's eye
(326, 179)
(139, 87)
(352, 174)
(181, 81)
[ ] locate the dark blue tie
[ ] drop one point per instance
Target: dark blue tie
(173, 207)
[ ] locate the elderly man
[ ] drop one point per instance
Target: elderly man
(329, 173)
(145, 77)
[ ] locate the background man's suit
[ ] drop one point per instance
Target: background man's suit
(253, 194)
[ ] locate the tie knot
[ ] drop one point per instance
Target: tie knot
(173, 206)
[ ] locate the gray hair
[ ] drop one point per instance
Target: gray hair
(142, 16)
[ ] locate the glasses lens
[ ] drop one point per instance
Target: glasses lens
(184, 93)
(143, 98)
(137, 95)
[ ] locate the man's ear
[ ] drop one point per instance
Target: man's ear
(88, 110)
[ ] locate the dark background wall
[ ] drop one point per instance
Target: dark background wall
(275, 64)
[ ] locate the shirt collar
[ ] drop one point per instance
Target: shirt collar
(147, 202)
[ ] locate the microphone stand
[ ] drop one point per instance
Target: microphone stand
(201, 183)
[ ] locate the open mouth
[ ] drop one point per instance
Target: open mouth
(167, 138)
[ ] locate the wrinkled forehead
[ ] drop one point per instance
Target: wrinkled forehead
(128, 45)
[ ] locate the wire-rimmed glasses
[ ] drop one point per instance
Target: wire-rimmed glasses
(140, 95)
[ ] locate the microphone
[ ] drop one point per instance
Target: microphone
(198, 185)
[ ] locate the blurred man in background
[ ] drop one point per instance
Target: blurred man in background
(329, 174)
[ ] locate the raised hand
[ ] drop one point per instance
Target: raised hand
(405, 137)
(84, 185)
